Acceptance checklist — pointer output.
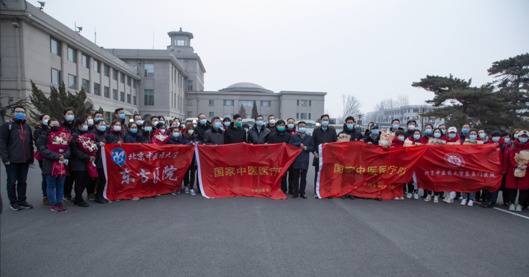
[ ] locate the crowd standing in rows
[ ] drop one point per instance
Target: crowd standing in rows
(68, 151)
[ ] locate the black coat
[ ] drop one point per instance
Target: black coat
(258, 136)
(16, 143)
(302, 161)
(320, 136)
(78, 157)
(100, 137)
(37, 132)
(131, 138)
(356, 133)
(234, 135)
(200, 130)
(214, 136)
(113, 137)
(48, 156)
(278, 137)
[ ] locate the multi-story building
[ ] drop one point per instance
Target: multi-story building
(404, 113)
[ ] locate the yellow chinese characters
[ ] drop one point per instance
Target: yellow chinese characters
(246, 171)
(370, 170)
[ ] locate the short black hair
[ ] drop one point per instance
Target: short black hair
(350, 118)
(236, 116)
(324, 115)
(69, 109)
(19, 107)
(118, 110)
(399, 132)
(395, 119)
(280, 122)
(290, 119)
(41, 116)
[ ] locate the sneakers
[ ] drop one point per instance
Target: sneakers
(45, 201)
(192, 192)
(409, 195)
(81, 203)
(428, 198)
(54, 208)
(464, 202)
(518, 208)
(436, 199)
(470, 203)
(25, 205)
(135, 198)
(174, 193)
(186, 190)
(303, 196)
(448, 200)
(15, 207)
(92, 196)
(415, 195)
(396, 198)
(512, 207)
(101, 200)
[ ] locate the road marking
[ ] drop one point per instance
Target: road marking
(513, 213)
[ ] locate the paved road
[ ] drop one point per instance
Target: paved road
(193, 236)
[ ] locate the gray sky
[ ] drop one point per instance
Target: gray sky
(370, 49)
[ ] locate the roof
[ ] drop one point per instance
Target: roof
(147, 54)
(245, 87)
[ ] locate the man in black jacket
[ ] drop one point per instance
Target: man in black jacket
(16, 150)
(215, 135)
(323, 134)
(350, 128)
(202, 126)
(235, 133)
(259, 133)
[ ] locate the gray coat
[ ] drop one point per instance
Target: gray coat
(258, 136)
(302, 161)
(212, 136)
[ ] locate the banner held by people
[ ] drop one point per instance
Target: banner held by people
(364, 170)
(144, 170)
(243, 169)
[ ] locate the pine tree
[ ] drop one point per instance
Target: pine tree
(242, 112)
(58, 100)
(254, 110)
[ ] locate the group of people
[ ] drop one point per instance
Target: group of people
(68, 151)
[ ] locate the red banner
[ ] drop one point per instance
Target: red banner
(365, 170)
(244, 169)
(144, 170)
(462, 168)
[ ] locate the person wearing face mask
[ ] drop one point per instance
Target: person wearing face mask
(472, 138)
(443, 129)
(68, 122)
(115, 134)
(280, 135)
(301, 164)
(154, 122)
(271, 123)
(235, 133)
(373, 135)
(320, 135)
(176, 136)
(465, 130)
(411, 127)
(291, 126)
(90, 122)
(79, 161)
(119, 115)
(428, 130)
(369, 126)
(258, 134)
(98, 117)
(202, 126)
(416, 139)
(226, 123)
(482, 136)
(189, 137)
(132, 135)
(436, 138)
(517, 179)
(138, 120)
(16, 151)
(161, 135)
(491, 197)
(215, 135)
(398, 142)
(350, 128)
(452, 137)
(52, 154)
(468, 198)
(39, 129)
(97, 190)
(395, 126)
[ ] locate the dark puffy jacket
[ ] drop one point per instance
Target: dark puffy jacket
(260, 136)
(16, 143)
(213, 136)
(113, 137)
(320, 136)
(302, 161)
(78, 157)
(100, 137)
(356, 133)
(200, 130)
(131, 138)
(48, 156)
(278, 137)
(234, 135)
(37, 132)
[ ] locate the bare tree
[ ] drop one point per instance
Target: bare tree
(351, 106)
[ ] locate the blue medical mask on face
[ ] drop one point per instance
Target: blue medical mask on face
(515, 136)
(507, 140)
(350, 126)
(325, 123)
(428, 132)
(411, 127)
(416, 137)
(495, 139)
(227, 123)
(259, 123)
(401, 138)
(97, 119)
(301, 130)
(395, 126)
(217, 124)
(375, 132)
(522, 140)
(437, 135)
(465, 130)
(472, 137)
(83, 128)
(122, 116)
(147, 129)
(45, 122)
(116, 128)
(176, 134)
(133, 130)
(102, 128)
(452, 135)
(281, 128)
(69, 117)
(482, 135)
(443, 131)
(20, 116)
(203, 121)
(290, 126)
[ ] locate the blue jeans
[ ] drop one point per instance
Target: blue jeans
(55, 189)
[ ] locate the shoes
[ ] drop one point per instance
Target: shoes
(396, 198)
(464, 202)
(295, 196)
(401, 198)
(54, 208)
(409, 195)
(470, 203)
(25, 205)
(436, 199)
(303, 196)
(186, 190)
(415, 195)
(81, 203)
(45, 201)
(91, 196)
(101, 200)
(61, 208)
(315, 196)
(136, 198)
(518, 208)
(174, 193)
(428, 198)
(15, 207)
(512, 207)
(192, 192)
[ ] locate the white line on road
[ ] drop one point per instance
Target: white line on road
(513, 213)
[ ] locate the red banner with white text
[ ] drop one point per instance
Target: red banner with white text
(365, 170)
(244, 169)
(144, 170)
(462, 168)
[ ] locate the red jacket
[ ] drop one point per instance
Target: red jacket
(512, 182)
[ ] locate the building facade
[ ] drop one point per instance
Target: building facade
(404, 113)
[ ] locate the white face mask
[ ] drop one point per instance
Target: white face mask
(190, 131)
(90, 122)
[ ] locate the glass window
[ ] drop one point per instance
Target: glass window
(55, 47)
(55, 77)
(128, 98)
(211, 114)
(129, 81)
(189, 85)
(85, 85)
(211, 102)
(97, 65)
(106, 92)
(85, 60)
(148, 69)
(303, 103)
(72, 81)
(180, 42)
(97, 89)
(134, 100)
(303, 116)
(122, 77)
(266, 103)
(106, 70)
(310, 103)
(228, 103)
(115, 94)
(114, 74)
(72, 55)
(148, 95)
(122, 96)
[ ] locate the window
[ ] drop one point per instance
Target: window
(310, 103)
(303, 116)
(297, 115)
(97, 89)
(114, 74)
(122, 96)
(211, 114)
(106, 70)
(122, 77)
(55, 77)
(106, 91)
(189, 85)
(266, 103)
(211, 102)
(148, 69)
(85, 85)
(134, 100)
(148, 97)
(85, 60)
(115, 94)
(55, 47)
(228, 103)
(72, 81)
(180, 42)
(72, 55)
(129, 81)
(128, 98)
(310, 116)
(97, 65)
(303, 103)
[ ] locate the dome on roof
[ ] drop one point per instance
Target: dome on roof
(245, 87)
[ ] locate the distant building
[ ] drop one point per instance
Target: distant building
(404, 113)
(300, 105)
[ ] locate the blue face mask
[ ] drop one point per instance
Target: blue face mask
(451, 135)
(102, 128)
(465, 131)
(350, 126)
(522, 140)
(375, 132)
(325, 123)
(69, 117)
(227, 123)
(121, 116)
(301, 130)
(416, 137)
(507, 140)
(133, 130)
(436, 135)
(495, 139)
(428, 132)
(176, 134)
(472, 137)
(281, 128)
(259, 123)
(20, 116)
(203, 121)
(395, 126)
(401, 138)
(147, 129)
(290, 126)
(217, 124)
